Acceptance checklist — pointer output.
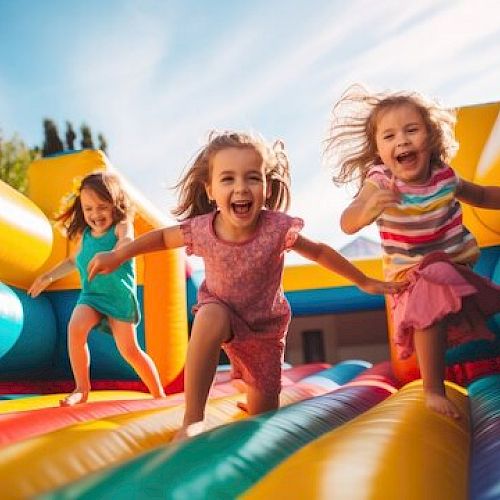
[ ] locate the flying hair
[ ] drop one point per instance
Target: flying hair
(107, 187)
(193, 199)
(350, 147)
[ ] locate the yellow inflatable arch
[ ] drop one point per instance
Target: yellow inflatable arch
(29, 245)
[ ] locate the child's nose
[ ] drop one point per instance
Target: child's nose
(402, 140)
(241, 186)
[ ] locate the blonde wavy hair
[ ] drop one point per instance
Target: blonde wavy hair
(350, 147)
(193, 199)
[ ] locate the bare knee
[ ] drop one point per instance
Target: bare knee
(213, 320)
(81, 322)
(78, 333)
(128, 350)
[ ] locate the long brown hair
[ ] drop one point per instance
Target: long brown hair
(107, 187)
(351, 146)
(193, 199)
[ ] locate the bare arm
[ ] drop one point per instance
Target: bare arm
(333, 261)
(368, 205)
(59, 271)
(153, 241)
(479, 196)
(124, 232)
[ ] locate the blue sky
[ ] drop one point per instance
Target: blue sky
(155, 76)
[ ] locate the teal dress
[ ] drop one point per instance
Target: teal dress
(115, 294)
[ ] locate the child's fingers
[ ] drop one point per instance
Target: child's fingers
(386, 199)
(91, 270)
(34, 290)
(395, 286)
(392, 185)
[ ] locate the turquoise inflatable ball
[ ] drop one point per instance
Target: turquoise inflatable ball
(11, 319)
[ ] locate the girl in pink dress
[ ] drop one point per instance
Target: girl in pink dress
(231, 207)
(397, 145)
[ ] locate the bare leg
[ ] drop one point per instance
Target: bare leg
(126, 341)
(241, 387)
(430, 345)
(82, 320)
(211, 328)
(260, 402)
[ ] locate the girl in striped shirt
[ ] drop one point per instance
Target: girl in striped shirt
(397, 145)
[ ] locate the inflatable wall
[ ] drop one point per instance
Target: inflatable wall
(34, 347)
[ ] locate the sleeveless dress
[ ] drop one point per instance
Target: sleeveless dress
(114, 294)
(426, 244)
(246, 279)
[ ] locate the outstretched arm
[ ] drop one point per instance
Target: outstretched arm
(153, 241)
(368, 205)
(478, 196)
(124, 233)
(332, 260)
(59, 271)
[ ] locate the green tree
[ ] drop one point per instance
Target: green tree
(86, 141)
(103, 144)
(52, 143)
(70, 136)
(15, 158)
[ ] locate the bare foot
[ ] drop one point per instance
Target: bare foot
(242, 406)
(75, 398)
(441, 404)
(188, 431)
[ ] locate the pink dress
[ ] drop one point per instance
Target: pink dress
(441, 290)
(246, 279)
(425, 243)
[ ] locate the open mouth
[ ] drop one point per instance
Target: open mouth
(241, 207)
(407, 157)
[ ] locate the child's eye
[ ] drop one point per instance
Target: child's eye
(388, 136)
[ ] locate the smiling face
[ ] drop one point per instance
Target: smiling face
(239, 188)
(98, 213)
(402, 141)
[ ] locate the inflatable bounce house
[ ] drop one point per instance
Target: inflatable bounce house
(348, 430)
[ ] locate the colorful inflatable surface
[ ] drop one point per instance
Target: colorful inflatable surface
(348, 431)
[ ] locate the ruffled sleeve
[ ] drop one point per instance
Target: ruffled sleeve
(186, 227)
(197, 234)
(378, 177)
(296, 225)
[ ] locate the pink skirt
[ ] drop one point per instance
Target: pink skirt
(440, 290)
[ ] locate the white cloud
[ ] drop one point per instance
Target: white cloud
(429, 51)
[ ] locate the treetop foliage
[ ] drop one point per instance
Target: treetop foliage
(16, 156)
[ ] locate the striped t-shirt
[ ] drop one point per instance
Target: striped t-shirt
(427, 219)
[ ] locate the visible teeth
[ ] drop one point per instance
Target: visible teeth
(405, 156)
(241, 208)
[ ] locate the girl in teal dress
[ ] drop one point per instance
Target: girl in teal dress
(96, 213)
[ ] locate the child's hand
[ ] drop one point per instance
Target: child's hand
(379, 201)
(39, 285)
(371, 285)
(102, 263)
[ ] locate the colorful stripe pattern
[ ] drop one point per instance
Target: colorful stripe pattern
(427, 219)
